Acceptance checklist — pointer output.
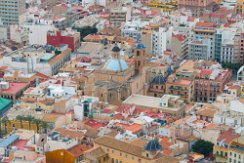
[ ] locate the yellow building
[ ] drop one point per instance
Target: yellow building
(166, 7)
(72, 155)
(218, 1)
(240, 7)
(236, 150)
(110, 150)
(221, 149)
(11, 125)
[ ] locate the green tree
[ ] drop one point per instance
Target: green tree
(45, 127)
(21, 119)
(30, 119)
(5, 121)
(232, 66)
(203, 147)
(84, 31)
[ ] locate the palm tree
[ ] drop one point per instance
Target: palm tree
(38, 123)
(30, 119)
(44, 126)
(20, 118)
(5, 122)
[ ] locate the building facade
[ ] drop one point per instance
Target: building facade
(206, 30)
(199, 49)
(71, 38)
(198, 7)
(240, 7)
(12, 11)
(236, 150)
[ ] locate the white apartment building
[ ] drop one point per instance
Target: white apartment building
(56, 141)
(3, 33)
(227, 51)
(203, 30)
(37, 34)
(12, 11)
(132, 29)
(19, 34)
(43, 59)
(234, 117)
(159, 41)
(199, 49)
(87, 3)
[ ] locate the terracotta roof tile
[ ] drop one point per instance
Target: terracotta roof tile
(78, 150)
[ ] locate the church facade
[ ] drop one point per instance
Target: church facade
(117, 80)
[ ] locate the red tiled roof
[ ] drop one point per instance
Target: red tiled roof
(206, 72)
(94, 124)
(118, 116)
(41, 75)
(3, 68)
(165, 142)
(5, 160)
(21, 145)
(180, 37)
(227, 24)
(228, 136)
(14, 88)
(134, 128)
(78, 150)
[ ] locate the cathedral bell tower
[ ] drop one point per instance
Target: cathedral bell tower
(140, 57)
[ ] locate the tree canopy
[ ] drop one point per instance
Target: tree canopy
(84, 31)
(203, 147)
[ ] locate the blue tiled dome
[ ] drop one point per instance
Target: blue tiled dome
(140, 46)
(153, 145)
(116, 48)
(159, 80)
(116, 65)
